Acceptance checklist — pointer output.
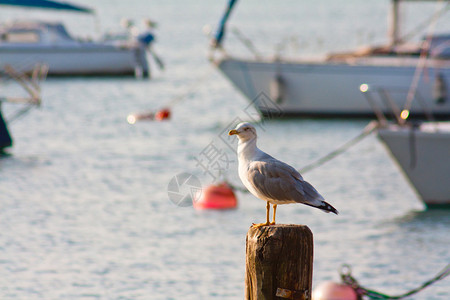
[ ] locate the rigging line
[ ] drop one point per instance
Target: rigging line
(20, 113)
(247, 43)
(30, 103)
(420, 66)
(436, 15)
(22, 80)
(30, 85)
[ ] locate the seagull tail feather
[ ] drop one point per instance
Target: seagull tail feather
(325, 207)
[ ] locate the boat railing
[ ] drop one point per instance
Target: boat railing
(384, 107)
(30, 83)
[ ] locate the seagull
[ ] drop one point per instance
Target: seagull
(270, 179)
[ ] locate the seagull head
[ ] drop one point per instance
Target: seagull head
(244, 131)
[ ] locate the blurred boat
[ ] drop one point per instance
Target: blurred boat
(5, 137)
(328, 87)
(420, 148)
(26, 43)
(422, 151)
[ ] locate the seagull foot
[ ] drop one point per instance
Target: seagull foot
(261, 224)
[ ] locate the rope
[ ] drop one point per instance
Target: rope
(366, 131)
(349, 280)
(428, 21)
(20, 113)
(333, 154)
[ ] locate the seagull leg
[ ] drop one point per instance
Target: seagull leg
(267, 218)
(274, 213)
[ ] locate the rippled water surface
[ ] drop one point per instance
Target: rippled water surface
(84, 210)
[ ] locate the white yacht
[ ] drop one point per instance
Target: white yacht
(328, 87)
(23, 44)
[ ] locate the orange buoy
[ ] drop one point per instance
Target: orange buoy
(219, 196)
(162, 114)
(330, 290)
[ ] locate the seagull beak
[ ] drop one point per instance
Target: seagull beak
(233, 132)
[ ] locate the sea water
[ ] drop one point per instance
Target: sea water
(85, 211)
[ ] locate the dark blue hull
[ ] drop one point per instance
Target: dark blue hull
(5, 137)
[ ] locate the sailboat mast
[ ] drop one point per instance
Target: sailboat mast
(394, 26)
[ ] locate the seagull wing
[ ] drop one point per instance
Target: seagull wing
(276, 180)
(271, 179)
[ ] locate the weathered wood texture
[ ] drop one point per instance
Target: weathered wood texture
(279, 262)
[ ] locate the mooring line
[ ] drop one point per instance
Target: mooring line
(349, 280)
(365, 132)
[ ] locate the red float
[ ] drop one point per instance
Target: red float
(160, 115)
(163, 114)
(219, 196)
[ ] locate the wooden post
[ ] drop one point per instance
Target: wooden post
(279, 263)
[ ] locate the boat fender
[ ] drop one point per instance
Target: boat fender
(439, 89)
(276, 88)
(330, 290)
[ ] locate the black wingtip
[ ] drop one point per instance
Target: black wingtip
(325, 207)
(329, 208)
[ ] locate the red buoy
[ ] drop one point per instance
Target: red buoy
(162, 114)
(219, 196)
(330, 290)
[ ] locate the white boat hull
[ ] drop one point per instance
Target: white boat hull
(79, 59)
(423, 156)
(329, 88)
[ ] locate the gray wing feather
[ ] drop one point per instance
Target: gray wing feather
(279, 181)
(311, 194)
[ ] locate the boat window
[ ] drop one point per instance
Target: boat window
(20, 37)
